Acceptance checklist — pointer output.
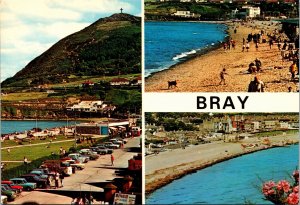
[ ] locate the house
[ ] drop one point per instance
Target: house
(90, 106)
(137, 81)
(87, 83)
(269, 124)
(284, 125)
(183, 13)
(119, 81)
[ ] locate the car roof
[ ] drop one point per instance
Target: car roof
(28, 175)
(17, 179)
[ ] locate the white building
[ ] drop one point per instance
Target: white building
(184, 14)
(269, 125)
(88, 106)
(284, 125)
(252, 12)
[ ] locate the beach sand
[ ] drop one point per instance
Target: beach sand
(167, 166)
(201, 74)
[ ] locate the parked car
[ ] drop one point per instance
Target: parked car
(39, 174)
(104, 148)
(99, 151)
(111, 145)
(28, 186)
(45, 171)
(74, 163)
(87, 152)
(77, 164)
(16, 188)
(7, 191)
(116, 141)
(41, 183)
(77, 156)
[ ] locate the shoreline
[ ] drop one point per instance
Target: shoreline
(199, 53)
(161, 177)
(201, 73)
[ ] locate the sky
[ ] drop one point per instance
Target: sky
(28, 28)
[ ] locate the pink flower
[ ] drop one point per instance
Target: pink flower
(268, 188)
(293, 199)
(296, 189)
(283, 185)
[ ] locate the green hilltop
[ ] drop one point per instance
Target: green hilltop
(110, 46)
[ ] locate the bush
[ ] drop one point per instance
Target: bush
(24, 169)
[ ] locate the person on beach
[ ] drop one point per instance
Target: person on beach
(228, 45)
(252, 68)
(244, 46)
(244, 41)
(256, 46)
(271, 43)
(247, 46)
(222, 76)
(256, 85)
(258, 64)
(279, 45)
(233, 44)
(112, 159)
(293, 70)
(225, 46)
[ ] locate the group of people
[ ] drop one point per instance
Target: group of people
(55, 181)
(255, 66)
(229, 44)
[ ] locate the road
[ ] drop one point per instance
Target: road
(95, 171)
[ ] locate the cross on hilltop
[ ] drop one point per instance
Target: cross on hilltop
(121, 10)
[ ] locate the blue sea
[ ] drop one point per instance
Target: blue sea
(22, 125)
(231, 182)
(168, 43)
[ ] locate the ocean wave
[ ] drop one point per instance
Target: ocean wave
(183, 55)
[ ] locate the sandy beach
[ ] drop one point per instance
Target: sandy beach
(167, 166)
(201, 74)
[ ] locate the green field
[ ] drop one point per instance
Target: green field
(24, 96)
(34, 152)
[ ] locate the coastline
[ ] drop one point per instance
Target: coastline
(201, 73)
(198, 53)
(157, 178)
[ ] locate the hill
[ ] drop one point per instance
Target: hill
(110, 46)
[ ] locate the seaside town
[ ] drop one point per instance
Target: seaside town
(178, 144)
(259, 54)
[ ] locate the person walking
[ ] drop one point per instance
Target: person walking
(25, 160)
(61, 176)
(8, 151)
(112, 159)
(256, 85)
(222, 76)
(56, 180)
(247, 46)
(293, 70)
